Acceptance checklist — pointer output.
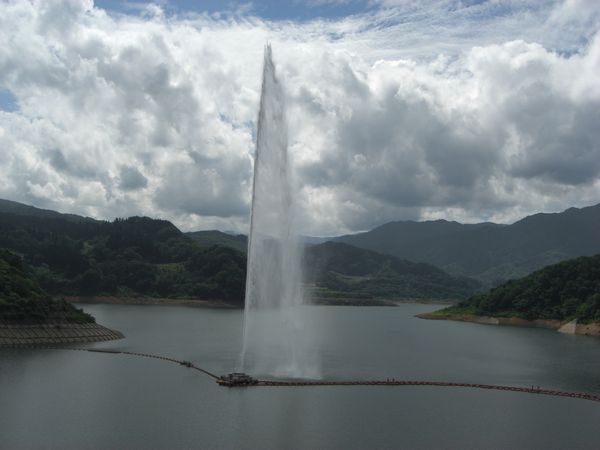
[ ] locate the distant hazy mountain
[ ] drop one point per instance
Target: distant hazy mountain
(313, 240)
(339, 270)
(489, 252)
(215, 237)
(238, 241)
(8, 206)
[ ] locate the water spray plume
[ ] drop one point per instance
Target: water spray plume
(276, 341)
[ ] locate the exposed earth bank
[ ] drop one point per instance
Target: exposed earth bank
(567, 327)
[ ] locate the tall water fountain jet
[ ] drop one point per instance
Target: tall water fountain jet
(276, 341)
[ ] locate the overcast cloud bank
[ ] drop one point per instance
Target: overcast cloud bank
(442, 111)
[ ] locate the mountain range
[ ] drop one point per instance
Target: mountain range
(59, 245)
(488, 252)
(71, 255)
(45, 253)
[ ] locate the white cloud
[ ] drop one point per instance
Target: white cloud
(472, 112)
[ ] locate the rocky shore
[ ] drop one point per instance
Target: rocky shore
(571, 327)
(38, 335)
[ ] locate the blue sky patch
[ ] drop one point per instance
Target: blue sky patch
(8, 101)
(267, 9)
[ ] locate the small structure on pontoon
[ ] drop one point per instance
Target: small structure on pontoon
(237, 379)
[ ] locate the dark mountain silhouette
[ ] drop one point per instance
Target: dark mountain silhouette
(489, 252)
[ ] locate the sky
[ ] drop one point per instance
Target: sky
(397, 110)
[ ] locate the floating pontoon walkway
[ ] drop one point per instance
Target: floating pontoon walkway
(223, 381)
(497, 387)
(146, 355)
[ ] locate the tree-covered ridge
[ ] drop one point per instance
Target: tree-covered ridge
(337, 270)
(344, 269)
(214, 237)
(564, 291)
(140, 256)
(8, 206)
(22, 299)
(127, 257)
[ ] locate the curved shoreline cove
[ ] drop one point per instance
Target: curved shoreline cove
(563, 297)
(567, 327)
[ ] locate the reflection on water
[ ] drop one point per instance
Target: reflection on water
(63, 399)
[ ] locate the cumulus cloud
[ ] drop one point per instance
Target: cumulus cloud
(480, 137)
(442, 110)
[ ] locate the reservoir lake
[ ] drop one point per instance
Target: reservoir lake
(63, 399)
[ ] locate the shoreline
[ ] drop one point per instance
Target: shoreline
(565, 327)
(197, 303)
(109, 300)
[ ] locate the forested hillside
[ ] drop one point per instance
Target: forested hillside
(22, 299)
(215, 237)
(8, 206)
(343, 270)
(127, 257)
(140, 256)
(564, 291)
(337, 270)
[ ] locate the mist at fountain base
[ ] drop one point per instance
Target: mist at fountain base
(283, 343)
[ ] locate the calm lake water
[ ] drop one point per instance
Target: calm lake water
(77, 400)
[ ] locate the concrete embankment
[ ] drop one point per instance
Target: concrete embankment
(567, 327)
(37, 335)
